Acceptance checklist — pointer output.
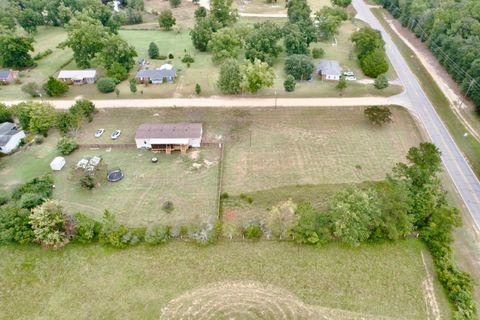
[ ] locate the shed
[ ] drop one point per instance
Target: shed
(10, 137)
(329, 70)
(78, 76)
(57, 164)
(8, 76)
(169, 136)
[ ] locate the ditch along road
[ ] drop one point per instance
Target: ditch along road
(467, 184)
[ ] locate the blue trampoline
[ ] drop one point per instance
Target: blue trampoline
(115, 175)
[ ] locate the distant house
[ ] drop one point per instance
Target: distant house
(78, 76)
(10, 137)
(329, 70)
(156, 76)
(169, 137)
(8, 76)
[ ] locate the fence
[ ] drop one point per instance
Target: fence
(108, 145)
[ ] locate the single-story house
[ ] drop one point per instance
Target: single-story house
(78, 76)
(8, 76)
(169, 136)
(10, 137)
(57, 164)
(156, 76)
(329, 70)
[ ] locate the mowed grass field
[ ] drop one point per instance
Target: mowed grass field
(81, 282)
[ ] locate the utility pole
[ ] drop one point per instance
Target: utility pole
(466, 94)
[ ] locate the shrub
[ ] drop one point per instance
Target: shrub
(54, 87)
(87, 181)
(200, 12)
(168, 206)
(32, 88)
(133, 85)
(114, 234)
(312, 227)
(378, 115)
(106, 85)
(50, 225)
(170, 56)
(31, 200)
(224, 195)
(166, 20)
(253, 230)
(175, 3)
(39, 140)
(247, 198)
(162, 57)
(83, 107)
(381, 82)
(86, 229)
(14, 225)
(153, 50)
(117, 72)
(289, 83)
(3, 200)
(42, 54)
(318, 53)
(5, 113)
(42, 186)
(66, 146)
(198, 89)
(157, 234)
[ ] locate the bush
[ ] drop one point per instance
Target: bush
(39, 140)
(381, 82)
(87, 181)
(157, 234)
(166, 20)
(32, 89)
(51, 226)
(83, 107)
(153, 50)
(224, 195)
(3, 200)
(247, 198)
(253, 230)
(162, 57)
(14, 225)
(5, 113)
(114, 234)
(300, 66)
(168, 206)
(41, 186)
(54, 87)
(42, 54)
(318, 53)
(289, 83)
(200, 12)
(188, 59)
(86, 229)
(66, 146)
(312, 227)
(31, 200)
(106, 85)
(378, 115)
(170, 56)
(198, 89)
(175, 3)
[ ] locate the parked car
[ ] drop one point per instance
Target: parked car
(351, 78)
(349, 74)
(116, 134)
(99, 133)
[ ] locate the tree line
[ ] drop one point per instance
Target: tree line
(451, 30)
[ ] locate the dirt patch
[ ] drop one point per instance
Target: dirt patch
(433, 311)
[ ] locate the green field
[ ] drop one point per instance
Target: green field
(81, 282)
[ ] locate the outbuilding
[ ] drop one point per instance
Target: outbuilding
(57, 164)
(10, 137)
(78, 76)
(8, 76)
(329, 70)
(169, 136)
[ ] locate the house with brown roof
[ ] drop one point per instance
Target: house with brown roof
(8, 76)
(169, 136)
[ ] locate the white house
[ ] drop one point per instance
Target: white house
(169, 137)
(78, 76)
(10, 137)
(329, 70)
(57, 164)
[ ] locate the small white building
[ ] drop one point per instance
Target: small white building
(169, 137)
(57, 164)
(78, 76)
(329, 70)
(10, 137)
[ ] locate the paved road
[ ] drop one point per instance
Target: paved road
(457, 166)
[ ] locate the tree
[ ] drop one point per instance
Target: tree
(50, 225)
(224, 45)
(289, 83)
(341, 3)
(133, 16)
(312, 226)
(133, 85)
(378, 115)
(153, 50)
(29, 19)
(14, 225)
(200, 12)
(188, 59)
(257, 75)
(294, 40)
(281, 220)
(5, 113)
(54, 87)
(299, 66)
(117, 57)
(318, 53)
(7, 20)
(222, 12)
(32, 88)
(106, 85)
(157, 234)
(198, 89)
(114, 234)
(355, 215)
(329, 21)
(298, 10)
(14, 51)
(175, 3)
(166, 20)
(230, 79)
(202, 33)
(86, 229)
(66, 122)
(381, 82)
(84, 108)
(66, 146)
(367, 40)
(262, 42)
(342, 84)
(375, 63)
(42, 117)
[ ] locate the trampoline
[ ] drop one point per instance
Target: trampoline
(115, 175)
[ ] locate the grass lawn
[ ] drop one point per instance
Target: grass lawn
(81, 282)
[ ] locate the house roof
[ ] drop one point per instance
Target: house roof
(4, 74)
(77, 74)
(7, 130)
(169, 131)
(330, 67)
(166, 70)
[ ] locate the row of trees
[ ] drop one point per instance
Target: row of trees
(370, 51)
(450, 29)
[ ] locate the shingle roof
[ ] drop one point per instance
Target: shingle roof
(169, 131)
(4, 74)
(166, 70)
(7, 130)
(330, 67)
(77, 74)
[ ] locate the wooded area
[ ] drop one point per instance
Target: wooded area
(452, 31)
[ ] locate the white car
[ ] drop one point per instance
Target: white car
(351, 78)
(349, 74)
(116, 134)
(99, 133)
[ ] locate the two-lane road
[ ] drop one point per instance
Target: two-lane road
(457, 166)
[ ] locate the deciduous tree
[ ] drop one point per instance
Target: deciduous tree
(257, 75)
(166, 20)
